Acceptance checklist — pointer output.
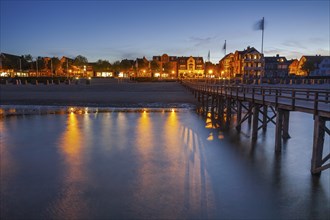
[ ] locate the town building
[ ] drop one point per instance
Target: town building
(142, 67)
(211, 70)
(13, 65)
(308, 64)
(226, 66)
(190, 67)
(166, 66)
(293, 67)
(248, 63)
(323, 68)
(276, 67)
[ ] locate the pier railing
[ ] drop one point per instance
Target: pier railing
(315, 101)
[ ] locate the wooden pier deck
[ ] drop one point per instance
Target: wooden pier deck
(226, 100)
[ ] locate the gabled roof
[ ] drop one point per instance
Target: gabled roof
(315, 59)
(226, 56)
(10, 56)
(274, 59)
(250, 50)
(186, 58)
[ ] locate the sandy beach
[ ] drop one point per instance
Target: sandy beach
(100, 93)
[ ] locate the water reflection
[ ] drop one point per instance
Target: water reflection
(71, 204)
(8, 168)
(154, 166)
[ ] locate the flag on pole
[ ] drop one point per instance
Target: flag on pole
(260, 25)
(224, 48)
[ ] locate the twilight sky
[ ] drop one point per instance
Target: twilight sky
(115, 30)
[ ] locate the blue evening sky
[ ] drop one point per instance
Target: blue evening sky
(115, 30)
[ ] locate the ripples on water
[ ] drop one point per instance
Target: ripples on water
(154, 165)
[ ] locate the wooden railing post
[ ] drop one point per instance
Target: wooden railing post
(276, 98)
(316, 103)
(244, 93)
(293, 99)
(263, 96)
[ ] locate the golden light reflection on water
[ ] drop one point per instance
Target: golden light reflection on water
(121, 127)
(179, 166)
(172, 145)
(71, 202)
(144, 135)
(7, 164)
(210, 137)
(71, 142)
(196, 179)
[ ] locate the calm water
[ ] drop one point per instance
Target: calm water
(155, 165)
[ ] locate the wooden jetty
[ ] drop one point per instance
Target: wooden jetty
(274, 104)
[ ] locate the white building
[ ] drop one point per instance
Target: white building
(323, 68)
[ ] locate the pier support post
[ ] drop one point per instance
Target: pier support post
(264, 117)
(318, 141)
(228, 112)
(212, 105)
(278, 130)
(286, 116)
(239, 115)
(203, 103)
(220, 110)
(249, 116)
(206, 104)
(255, 121)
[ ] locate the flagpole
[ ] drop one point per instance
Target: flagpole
(262, 39)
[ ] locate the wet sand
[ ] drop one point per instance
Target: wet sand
(100, 93)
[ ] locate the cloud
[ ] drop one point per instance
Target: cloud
(295, 44)
(200, 41)
(318, 40)
(273, 52)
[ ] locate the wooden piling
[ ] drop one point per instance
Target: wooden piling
(278, 130)
(318, 141)
(264, 117)
(249, 116)
(239, 116)
(286, 116)
(228, 112)
(255, 121)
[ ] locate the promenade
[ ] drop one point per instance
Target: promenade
(100, 93)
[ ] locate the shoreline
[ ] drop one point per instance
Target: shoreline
(17, 110)
(103, 95)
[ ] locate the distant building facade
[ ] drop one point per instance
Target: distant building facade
(308, 64)
(323, 68)
(167, 66)
(190, 67)
(142, 67)
(226, 66)
(293, 67)
(276, 67)
(246, 63)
